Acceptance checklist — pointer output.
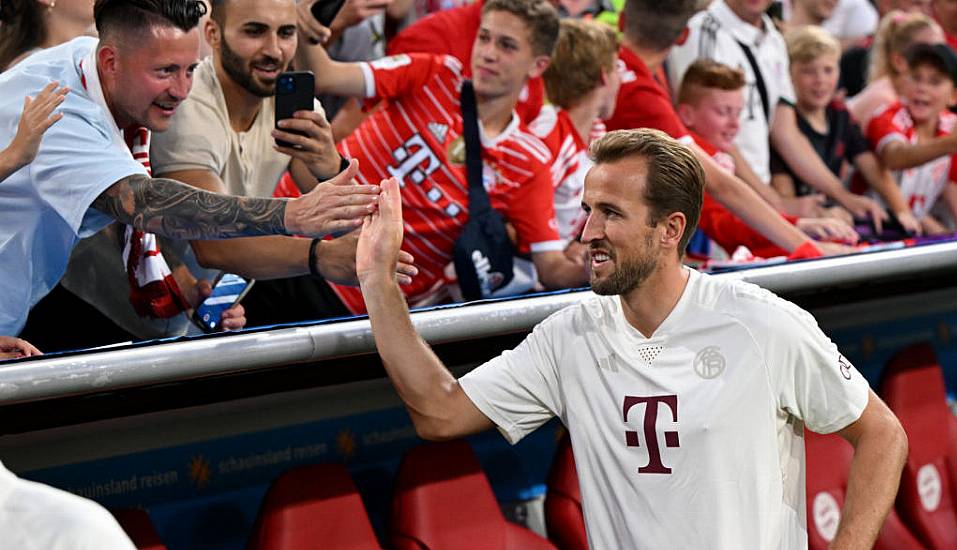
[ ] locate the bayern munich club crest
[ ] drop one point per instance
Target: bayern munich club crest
(709, 363)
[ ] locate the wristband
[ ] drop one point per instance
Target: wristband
(313, 270)
(806, 251)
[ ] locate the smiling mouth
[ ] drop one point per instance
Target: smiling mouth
(166, 107)
(600, 257)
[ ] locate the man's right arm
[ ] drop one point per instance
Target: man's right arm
(179, 211)
(901, 155)
(437, 404)
(256, 258)
(332, 77)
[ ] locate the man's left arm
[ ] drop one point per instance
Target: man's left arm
(880, 450)
(794, 147)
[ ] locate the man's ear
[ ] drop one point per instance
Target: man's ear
(212, 33)
(674, 227)
(107, 59)
(539, 65)
(686, 114)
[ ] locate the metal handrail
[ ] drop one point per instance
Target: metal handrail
(143, 365)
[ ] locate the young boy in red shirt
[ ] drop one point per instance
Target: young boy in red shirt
(916, 139)
(710, 101)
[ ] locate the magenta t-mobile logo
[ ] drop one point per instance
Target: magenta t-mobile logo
(654, 465)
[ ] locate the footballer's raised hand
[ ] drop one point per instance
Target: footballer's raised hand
(378, 250)
(334, 206)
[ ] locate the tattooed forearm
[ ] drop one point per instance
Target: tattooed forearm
(179, 211)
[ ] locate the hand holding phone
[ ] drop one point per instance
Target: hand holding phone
(295, 91)
(228, 290)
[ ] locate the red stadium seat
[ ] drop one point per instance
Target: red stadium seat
(313, 507)
(913, 388)
(563, 502)
(443, 500)
(139, 527)
(828, 463)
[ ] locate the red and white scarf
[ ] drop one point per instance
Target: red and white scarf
(153, 290)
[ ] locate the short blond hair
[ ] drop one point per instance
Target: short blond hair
(708, 74)
(810, 42)
(895, 34)
(584, 49)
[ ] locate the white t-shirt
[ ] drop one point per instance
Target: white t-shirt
(34, 516)
(852, 19)
(45, 206)
(692, 438)
(717, 33)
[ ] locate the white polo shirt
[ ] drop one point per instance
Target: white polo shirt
(45, 206)
(34, 516)
(692, 438)
(717, 33)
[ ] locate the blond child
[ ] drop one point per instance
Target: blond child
(830, 128)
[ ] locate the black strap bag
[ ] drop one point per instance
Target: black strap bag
(483, 252)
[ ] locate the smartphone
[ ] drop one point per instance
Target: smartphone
(228, 290)
(295, 91)
(325, 11)
(775, 10)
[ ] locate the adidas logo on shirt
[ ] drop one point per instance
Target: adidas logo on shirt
(439, 131)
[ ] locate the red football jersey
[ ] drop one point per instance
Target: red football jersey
(723, 227)
(569, 165)
(922, 184)
(642, 101)
(452, 32)
(416, 137)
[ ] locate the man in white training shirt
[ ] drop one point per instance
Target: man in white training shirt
(36, 516)
(689, 437)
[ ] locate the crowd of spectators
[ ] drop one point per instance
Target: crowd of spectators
(809, 117)
(142, 155)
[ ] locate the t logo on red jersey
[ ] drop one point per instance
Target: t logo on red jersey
(654, 466)
(411, 155)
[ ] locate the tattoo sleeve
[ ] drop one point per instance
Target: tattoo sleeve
(179, 211)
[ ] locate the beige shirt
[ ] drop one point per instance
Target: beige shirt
(200, 138)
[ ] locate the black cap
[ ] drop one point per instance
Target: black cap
(941, 56)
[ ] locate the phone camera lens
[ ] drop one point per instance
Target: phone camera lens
(286, 85)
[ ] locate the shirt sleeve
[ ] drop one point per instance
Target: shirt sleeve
(882, 130)
(77, 161)
(518, 390)
(531, 210)
(810, 378)
(195, 140)
(636, 109)
(404, 74)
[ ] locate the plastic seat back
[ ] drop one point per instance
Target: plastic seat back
(828, 464)
(443, 500)
(139, 527)
(313, 507)
(913, 387)
(563, 501)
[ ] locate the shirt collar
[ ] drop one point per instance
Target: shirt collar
(740, 29)
(91, 81)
